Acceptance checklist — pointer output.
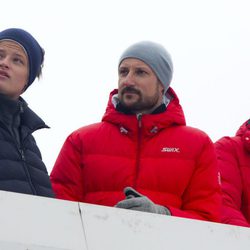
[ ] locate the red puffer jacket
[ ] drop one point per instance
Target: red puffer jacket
(234, 164)
(172, 164)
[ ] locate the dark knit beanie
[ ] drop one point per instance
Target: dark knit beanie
(33, 49)
(155, 56)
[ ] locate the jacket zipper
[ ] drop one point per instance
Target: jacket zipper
(138, 152)
(25, 167)
(22, 140)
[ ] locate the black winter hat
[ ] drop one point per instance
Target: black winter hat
(33, 49)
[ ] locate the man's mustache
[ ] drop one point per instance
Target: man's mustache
(129, 89)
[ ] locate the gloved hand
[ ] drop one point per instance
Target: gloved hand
(136, 201)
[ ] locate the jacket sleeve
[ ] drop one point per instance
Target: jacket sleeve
(66, 176)
(231, 182)
(202, 197)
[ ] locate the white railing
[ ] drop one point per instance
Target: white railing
(35, 223)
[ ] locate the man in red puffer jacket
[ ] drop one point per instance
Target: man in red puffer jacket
(142, 156)
(234, 164)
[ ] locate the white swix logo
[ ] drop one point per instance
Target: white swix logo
(170, 150)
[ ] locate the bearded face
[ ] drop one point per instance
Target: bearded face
(139, 89)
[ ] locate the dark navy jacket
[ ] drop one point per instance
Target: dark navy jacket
(21, 167)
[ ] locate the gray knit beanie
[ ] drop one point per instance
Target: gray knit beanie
(155, 56)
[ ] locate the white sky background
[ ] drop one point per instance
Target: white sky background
(209, 42)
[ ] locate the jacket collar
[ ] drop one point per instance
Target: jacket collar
(172, 115)
(10, 111)
(29, 121)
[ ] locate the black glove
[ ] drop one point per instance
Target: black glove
(136, 201)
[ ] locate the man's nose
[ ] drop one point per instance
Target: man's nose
(4, 62)
(129, 80)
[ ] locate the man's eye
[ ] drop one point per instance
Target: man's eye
(140, 72)
(18, 60)
(123, 72)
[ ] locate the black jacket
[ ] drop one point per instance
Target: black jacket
(21, 167)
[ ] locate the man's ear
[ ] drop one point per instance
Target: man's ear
(161, 88)
(24, 88)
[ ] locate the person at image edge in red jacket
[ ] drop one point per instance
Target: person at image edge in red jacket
(234, 165)
(141, 156)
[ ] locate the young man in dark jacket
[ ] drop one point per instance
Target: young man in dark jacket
(21, 167)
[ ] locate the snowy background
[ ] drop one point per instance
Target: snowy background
(209, 42)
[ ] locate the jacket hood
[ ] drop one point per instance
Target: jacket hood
(244, 133)
(173, 115)
(243, 128)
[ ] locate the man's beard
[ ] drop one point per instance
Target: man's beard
(143, 104)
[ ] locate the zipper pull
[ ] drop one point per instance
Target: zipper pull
(139, 118)
(22, 154)
(21, 108)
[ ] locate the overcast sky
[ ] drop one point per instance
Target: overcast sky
(209, 42)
